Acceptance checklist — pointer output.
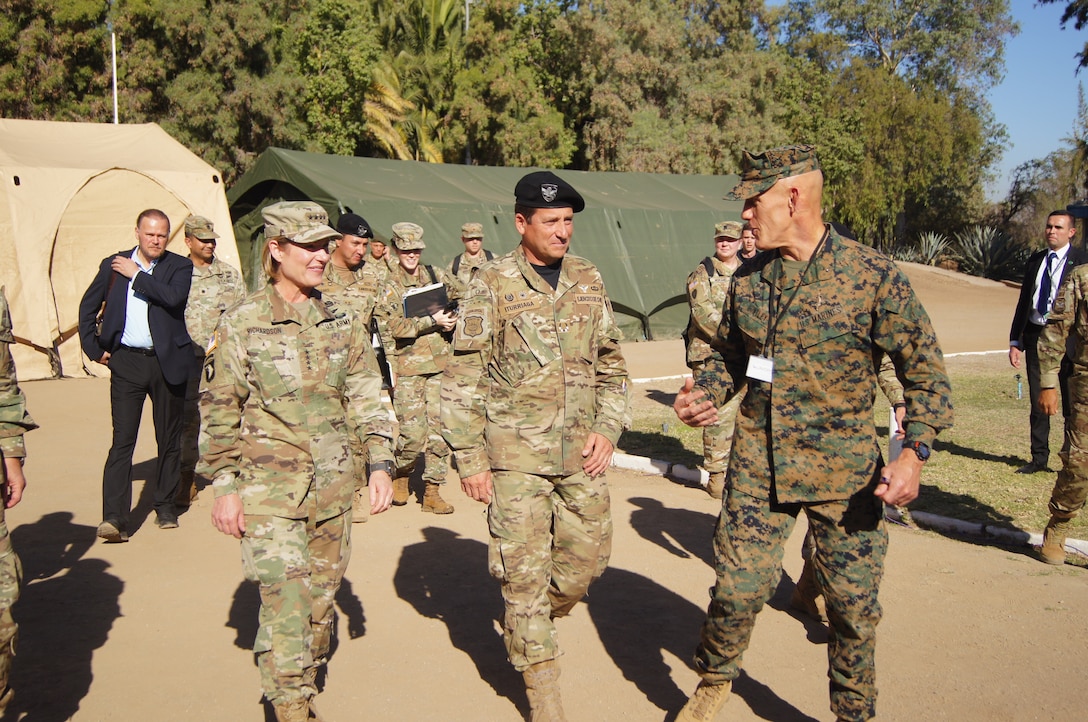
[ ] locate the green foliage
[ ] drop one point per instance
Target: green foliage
(985, 251)
(932, 246)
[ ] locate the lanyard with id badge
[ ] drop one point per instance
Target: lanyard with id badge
(761, 367)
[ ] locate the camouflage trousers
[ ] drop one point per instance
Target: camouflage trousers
(1071, 487)
(417, 402)
(190, 423)
(850, 543)
(551, 536)
(11, 574)
(718, 438)
(298, 564)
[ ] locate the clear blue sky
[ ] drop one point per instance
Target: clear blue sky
(1037, 101)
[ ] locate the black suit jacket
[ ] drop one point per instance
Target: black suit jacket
(1023, 306)
(167, 291)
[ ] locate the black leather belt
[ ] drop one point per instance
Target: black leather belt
(141, 351)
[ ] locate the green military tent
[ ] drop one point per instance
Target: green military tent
(645, 231)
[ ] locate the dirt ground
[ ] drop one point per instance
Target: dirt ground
(159, 628)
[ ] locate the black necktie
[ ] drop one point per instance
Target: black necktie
(1043, 305)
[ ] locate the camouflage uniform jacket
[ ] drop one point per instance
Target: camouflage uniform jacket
(535, 371)
(467, 265)
(1067, 321)
(14, 419)
(362, 289)
(279, 397)
(214, 289)
(417, 344)
(817, 415)
(706, 296)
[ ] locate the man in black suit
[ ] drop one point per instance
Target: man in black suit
(1045, 273)
(144, 342)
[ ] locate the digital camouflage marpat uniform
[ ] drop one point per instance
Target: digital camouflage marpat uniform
(535, 371)
(14, 422)
(823, 454)
(706, 296)
(417, 351)
(215, 288)
(1068, 319)
(282, 391)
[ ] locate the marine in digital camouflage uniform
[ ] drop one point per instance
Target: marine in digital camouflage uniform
(349, 275)
(533, 403)
(1068, 321)
(707, 286)
(14, 422)
(803, 331)
(216, 287)
(417, 349)
(291, 376)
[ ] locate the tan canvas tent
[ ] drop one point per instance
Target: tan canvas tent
(70, 195)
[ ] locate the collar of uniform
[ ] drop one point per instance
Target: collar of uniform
(823, 267)
(283, 312)
(535, 281)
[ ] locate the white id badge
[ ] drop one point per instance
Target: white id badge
(761, 368)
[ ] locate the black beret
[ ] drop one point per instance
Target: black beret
(351, 224)
(544, 189)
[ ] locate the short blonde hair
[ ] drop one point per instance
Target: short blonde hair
(269, 264)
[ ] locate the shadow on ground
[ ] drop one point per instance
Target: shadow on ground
(53, 673)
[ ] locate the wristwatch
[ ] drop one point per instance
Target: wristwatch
(920, 450)
(386, 466)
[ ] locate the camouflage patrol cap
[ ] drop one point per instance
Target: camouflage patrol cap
(760, 172)
(200, 227)
(300, 222)
(472, 230)
(408, 237)
(728, 229)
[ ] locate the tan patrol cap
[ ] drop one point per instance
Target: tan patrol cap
(472, 230)
(728, 229)
(408, 237)
(300, 222)
(200, 227)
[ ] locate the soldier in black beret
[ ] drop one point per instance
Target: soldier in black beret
(544, 189)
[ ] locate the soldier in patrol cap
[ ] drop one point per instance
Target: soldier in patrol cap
(805, 437)
(418, 349)
(707, 286)
(216, 287)
(465, 264)
(290, 377)
(533, 404)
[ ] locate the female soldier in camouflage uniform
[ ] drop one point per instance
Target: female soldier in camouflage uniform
(290, 376)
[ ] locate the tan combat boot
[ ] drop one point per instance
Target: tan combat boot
(400, 491)
(433, 501)
(542, 688)
(359, 502)
(807, 597)
(716, 486)
(705, 703)
(1053, 549)
(295, 710)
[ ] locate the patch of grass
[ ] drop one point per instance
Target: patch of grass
(971, 475)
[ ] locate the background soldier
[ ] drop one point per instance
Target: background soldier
(1068, 321)
(707, 286)
(418, 349)
(216, 287)
(748, 249)
(533, 404)
(14, 422)
(348, 273)
(805, 438)
(464, 264)
(290, 377)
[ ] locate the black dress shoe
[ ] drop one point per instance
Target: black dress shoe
(166, 520)
(1032, 468)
